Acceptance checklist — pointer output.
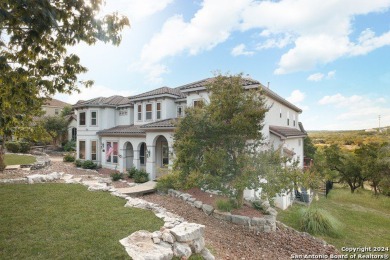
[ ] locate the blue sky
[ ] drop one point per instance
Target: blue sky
(330, 58)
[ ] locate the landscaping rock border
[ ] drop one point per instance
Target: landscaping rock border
(176, 238)
(256, 224)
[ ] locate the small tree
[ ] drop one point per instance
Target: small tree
(309, 150)
(56, 127)
(66, 111)
(214, 142)
(346, 164)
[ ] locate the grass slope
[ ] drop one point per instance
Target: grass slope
(62, 221)
(15, 159)
(365, 219)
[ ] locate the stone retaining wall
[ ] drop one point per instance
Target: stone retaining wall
(267, 223)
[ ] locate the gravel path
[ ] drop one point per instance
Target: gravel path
(225, 240)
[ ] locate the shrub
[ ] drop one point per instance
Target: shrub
(318, 222)
(116, 176)
(169, 181)
(78, 163)
(13, 147)
(88, 164)
(141, 176)
(69, 157)
(24, 147)
(70, 146)
(225, 205)
(18, 147)
(132, 172)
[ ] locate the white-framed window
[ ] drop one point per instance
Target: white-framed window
(288, 118)
(111, 152)
(93, 150)
(82, 119)
(57, 111)
(81, 149)
(293, 119)
(139, 112)
(158, 111)
(142, 154)
(179, 111)
(94, 118)
(148, 112)
(280, 113)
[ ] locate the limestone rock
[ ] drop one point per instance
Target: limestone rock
(205, 253)
(168, 237)
(182, 250)
(197, 245)
(207, 209)
(240, 220)
(140, 246)
(185, 232)
(227, 216)
(198, 204)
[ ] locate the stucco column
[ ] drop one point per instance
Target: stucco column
(151, 161)
(136, 161)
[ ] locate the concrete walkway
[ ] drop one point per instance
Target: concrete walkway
(140, 189)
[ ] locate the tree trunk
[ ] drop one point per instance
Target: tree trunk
(240, 197)
(2, 163)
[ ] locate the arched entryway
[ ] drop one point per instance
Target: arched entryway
(162, 156)
(129, 156)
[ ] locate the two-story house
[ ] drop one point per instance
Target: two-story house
(121, 132)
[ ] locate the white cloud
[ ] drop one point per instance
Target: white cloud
(331, 74)
(296, 97)
(319, 31)
(341, 101)
(92, 92)
(320, 76)
(315, 77)
(240, 50)
(208, 28)
(141, 9)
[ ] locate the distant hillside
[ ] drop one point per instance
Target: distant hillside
(350, 138)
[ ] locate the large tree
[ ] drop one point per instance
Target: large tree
(214, 142)
(34, 62)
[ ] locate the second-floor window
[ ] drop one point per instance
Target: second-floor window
(57, 111)
(82, 118)
(158, 110)
(288, 118)
(139, 112)
(94, 118)
(148, 112)
(179, 111)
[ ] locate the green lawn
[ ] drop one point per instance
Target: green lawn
(365, 219)
(15, 159)
(63, 221)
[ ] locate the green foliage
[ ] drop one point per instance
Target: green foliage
(69, 157)
(70, 146)
(18, 147)
(141, 176)
(56, 127)
(318, 222)
(131, 172)
(34, 62)
(211, 142)
(168, 181)
(309, 150)
(66, 111)
(78, 163)
(88, 164)
(225, 205)
(116, 176)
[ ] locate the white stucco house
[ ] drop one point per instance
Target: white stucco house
(121, 132)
